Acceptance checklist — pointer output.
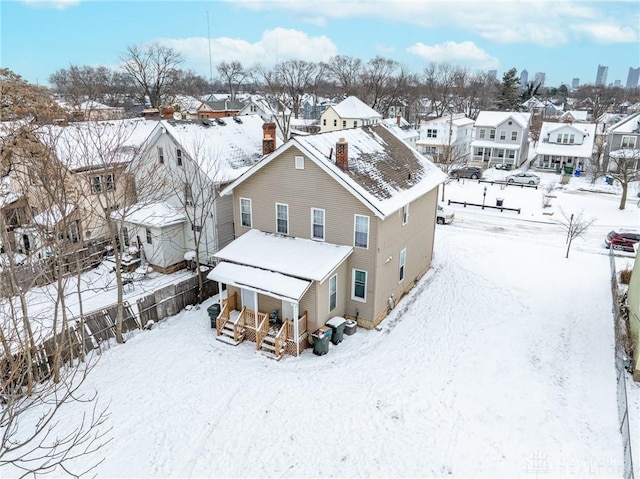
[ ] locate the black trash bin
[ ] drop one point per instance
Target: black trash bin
(337, 325)
(321, 340)
(499, 201)
(214, 312)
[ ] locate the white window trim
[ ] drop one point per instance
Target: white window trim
(402, 265)
(355, 225)
(333, 278)
(250, 213)
(160, 154)
(514, 136)
(503, 135)
(353, 285)
(631, 144)
(324, 224)
(299, 162)
(287, 219)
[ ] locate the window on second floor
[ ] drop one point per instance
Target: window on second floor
(160, 154)
(482, 133)
(317, 224)
(492, 134)
(100, 183)
(149, 236)
(628, 142)
(361, 231)
(282, 218)
(344, 123)
(514, 136)
(188, 195)
(335, 122)
(245, 212)
(179, 156)
(503, 135)
(433, 133)
(324, 122)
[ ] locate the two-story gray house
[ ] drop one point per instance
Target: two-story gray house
(336, 224)
(623, 144)
(501, 138)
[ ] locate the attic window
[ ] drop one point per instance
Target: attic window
(510, 123)
(299, 162)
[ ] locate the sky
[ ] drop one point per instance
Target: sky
(498, 363)
(563, 38)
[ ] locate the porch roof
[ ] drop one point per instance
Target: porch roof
(266, 282)
(298, 257)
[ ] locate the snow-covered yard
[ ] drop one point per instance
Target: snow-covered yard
(500, 363)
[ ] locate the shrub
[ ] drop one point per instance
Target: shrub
(625, 275)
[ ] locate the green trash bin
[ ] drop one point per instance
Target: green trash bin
(321, 340)
(214, 312)
(337, 325)
(568, 170)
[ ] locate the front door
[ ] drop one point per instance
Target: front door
(249, 299)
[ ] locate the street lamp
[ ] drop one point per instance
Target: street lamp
(484, 196)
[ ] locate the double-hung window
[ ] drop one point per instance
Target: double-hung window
(514, 136)
(361, 231)
(403, 260)
(245, 212)
(405, 214)
(179, 156)
(160, 154)
(282, 218)
(149, 236)
(503, 135)
(359, 281)
(317, 224)
(333, 292)
(628, 142)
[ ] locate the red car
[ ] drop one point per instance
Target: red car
(622, 240)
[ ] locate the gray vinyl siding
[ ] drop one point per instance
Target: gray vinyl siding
(301, 189)
(224, 215)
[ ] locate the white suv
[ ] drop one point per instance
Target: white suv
(444, 215)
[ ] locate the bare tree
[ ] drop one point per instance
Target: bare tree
(21, 100)
(153, 68)
(346, 72)
(233, 74)
(575, 226)
(623, 165)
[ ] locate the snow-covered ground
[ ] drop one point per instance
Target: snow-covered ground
(500, 363)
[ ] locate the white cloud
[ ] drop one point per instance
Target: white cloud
(275, 45)
(58, 4)
(606, 33)
(463, 53)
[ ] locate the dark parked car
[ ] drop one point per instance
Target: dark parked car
(622, 240)
(472, 172)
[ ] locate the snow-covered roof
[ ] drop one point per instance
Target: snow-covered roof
(92, 144)
(404, 130)
(584, 150)
(579, 115)
(298, 257)
(532, 102)
(7, 199)
(223, 151)
(263, 281)
(53, 215)
(352, 107)
(629, 124)
(154, 215)
(384, 172)
(495, 118)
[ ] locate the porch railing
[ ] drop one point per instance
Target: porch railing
(238, 326)
(302, 326)
(262, 330)
(223, 317)
(280, 338)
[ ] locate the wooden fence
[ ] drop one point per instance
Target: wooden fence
(94, 330)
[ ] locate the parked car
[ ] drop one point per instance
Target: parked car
(473, 172)
(444, 215)
(622, 240)
(503, 166)
(524, 179)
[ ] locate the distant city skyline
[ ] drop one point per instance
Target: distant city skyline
(40, 37)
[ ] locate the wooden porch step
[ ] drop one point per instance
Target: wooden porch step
(228, 340)
(268, 348)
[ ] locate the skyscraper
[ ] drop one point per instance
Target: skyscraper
(633, 77)
(601, 76)
(524, 78)
(539, 78)
(575, 83)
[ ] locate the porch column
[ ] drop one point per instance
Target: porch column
(296, 327)
(219, 294)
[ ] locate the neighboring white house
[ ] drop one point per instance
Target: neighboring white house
(191, 161)
(439, 134)
(501, 138)
(402, 129)
(349, 113)
(574, 116)
(565, 145)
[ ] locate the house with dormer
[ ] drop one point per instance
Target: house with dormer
(349, 113)
(622, 150)
(565, 145)
(336, 224)
(191, 161)
(219, 108)
(500, 138)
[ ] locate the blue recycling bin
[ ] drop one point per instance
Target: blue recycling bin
(578, 172)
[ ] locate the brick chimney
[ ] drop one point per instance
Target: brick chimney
(398, 120)
(268, 138)
(342, 154)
